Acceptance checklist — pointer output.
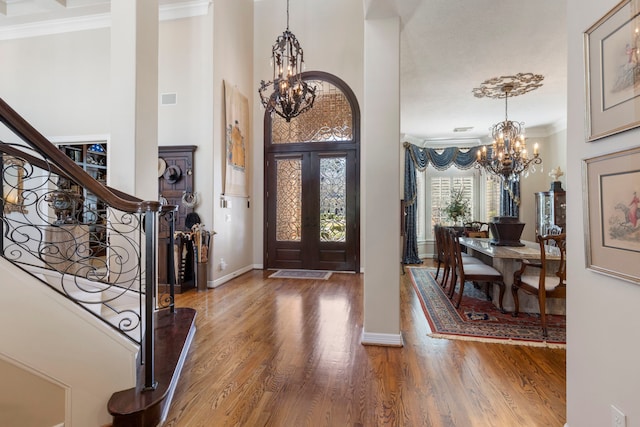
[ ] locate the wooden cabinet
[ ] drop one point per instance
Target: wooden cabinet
(551, 209)
(175, 181)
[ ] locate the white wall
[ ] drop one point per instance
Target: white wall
(59, 83)
(232, 54)
(185, 67)
(602, 320)
(552, 152)
(65, 344)
(31, 399)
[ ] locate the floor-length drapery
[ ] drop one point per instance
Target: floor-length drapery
(414, 157)
(417, 158)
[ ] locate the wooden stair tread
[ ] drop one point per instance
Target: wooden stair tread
(173, 334)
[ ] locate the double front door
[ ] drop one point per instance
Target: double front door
(311, 210)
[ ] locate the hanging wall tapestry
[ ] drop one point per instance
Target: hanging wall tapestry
(237, 142)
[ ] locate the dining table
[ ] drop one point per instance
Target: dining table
(507, 260)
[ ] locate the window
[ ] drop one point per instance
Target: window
(434, 193)
(492, 199)
(442, 188)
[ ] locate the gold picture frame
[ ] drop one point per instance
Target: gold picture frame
(612, 64)
(612, 214)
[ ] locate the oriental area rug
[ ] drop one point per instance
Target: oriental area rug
(301, 274)
(478, 319)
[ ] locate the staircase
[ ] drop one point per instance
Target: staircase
(101, 293)
(139, 407)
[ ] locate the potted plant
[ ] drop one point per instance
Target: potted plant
(458, 209)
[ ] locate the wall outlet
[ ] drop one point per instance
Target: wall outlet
(618, 418)
(223, 264)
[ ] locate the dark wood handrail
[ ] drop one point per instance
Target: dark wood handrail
(115, 198)
(12, 150)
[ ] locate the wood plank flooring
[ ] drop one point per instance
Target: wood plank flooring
(287, 352)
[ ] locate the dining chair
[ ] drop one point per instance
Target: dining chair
(445, 234)
(442, 243)
(440, 255)
(445, 237)
(542, 280)
(471, 269)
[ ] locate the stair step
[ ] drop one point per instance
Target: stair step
(136, 407)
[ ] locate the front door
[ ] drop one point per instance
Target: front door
(311, 202)
(312, 183)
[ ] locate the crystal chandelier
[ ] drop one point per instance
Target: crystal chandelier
(290, 96)
(507, 156)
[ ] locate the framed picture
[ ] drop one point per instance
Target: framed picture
(612, 214)
(612, 54)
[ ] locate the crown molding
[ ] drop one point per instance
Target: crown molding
(547, 130)
(441, 142)
(187, 9)
(543, 131)
(167, 12)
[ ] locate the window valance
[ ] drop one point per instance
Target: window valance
(442, 158)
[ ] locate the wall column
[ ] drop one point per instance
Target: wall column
(133, 147)
(381, 197)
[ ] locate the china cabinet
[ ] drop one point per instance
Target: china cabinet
(175, 187)
(551, 209)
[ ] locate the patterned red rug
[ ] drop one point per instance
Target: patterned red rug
(478, 319)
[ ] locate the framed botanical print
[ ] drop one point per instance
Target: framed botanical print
(612, 55)
(612, 214)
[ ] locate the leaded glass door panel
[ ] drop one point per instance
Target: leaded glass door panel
(311, 211)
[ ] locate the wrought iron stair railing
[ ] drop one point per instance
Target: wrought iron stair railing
(94, 244)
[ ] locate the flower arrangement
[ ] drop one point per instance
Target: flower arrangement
(458, 208)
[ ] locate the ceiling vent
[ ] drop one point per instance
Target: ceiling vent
(463, 129)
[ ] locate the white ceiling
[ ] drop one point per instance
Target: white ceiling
(448, 47)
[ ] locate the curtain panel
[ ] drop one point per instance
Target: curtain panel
(417, 158)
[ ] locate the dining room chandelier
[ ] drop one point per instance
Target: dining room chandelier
(290, 96)
(507, 157)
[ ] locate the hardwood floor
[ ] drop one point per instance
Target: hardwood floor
(284, 352)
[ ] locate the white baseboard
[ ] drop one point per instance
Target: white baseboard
(224, 279)
(388, 340)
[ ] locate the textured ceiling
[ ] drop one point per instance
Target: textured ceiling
(448, 47)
